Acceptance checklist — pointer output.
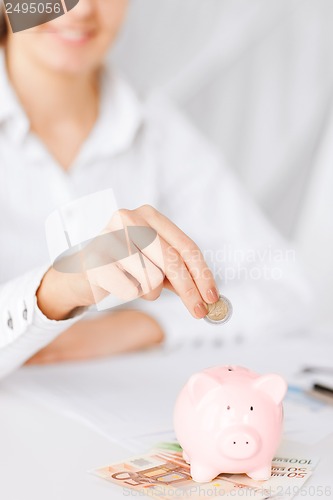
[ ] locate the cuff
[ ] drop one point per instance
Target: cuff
(20, 312)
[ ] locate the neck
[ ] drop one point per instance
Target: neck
(44, 92)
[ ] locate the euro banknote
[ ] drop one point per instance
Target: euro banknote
(163, 474)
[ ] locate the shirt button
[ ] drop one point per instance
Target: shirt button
(10, 321)
(25, 311)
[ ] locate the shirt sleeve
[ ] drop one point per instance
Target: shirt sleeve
(24, 329)
(254, 266)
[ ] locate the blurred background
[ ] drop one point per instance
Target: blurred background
(255, 76)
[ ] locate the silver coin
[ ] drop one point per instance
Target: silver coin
(219, 312)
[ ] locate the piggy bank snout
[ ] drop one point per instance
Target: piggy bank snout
(240, 443)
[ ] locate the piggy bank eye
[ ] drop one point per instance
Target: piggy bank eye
(228, 407)
(251, 408)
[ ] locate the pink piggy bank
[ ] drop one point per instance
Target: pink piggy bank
(228, 419)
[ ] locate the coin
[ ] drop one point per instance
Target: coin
(220, 311)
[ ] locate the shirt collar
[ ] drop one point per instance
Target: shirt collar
(119, 119)
(10, 107)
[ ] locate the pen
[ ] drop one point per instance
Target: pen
(324, 389)
(319, 369)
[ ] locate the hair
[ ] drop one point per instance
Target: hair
(3, 24)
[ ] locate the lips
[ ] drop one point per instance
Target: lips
(75, 36)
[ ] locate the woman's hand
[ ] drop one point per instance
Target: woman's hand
(115, 333)
(172, 260)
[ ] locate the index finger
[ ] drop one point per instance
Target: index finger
(187, 249)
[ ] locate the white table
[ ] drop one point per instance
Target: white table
(46, 455)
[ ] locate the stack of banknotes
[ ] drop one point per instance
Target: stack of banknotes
(163, 474)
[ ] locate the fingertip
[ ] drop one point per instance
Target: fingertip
(200, 310)
(212, 295)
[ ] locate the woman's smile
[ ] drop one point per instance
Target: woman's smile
(73, 36)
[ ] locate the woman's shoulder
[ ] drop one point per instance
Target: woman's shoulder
(162, 111)
(156, 109)
(164, 118)
(161, 124)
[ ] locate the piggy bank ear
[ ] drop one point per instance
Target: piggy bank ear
(273, 385)
(199, 385)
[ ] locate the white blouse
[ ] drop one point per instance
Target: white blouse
(148, 153)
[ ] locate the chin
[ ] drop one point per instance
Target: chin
(71, 67)
(68, 63)
(70, 58)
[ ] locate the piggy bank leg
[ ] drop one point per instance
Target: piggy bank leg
(261, 474)
(186, 457)
(202, 474)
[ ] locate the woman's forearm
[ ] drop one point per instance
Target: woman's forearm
(109, 334)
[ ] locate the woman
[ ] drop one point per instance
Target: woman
(69, 126)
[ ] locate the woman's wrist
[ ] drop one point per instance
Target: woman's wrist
(60, 294)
